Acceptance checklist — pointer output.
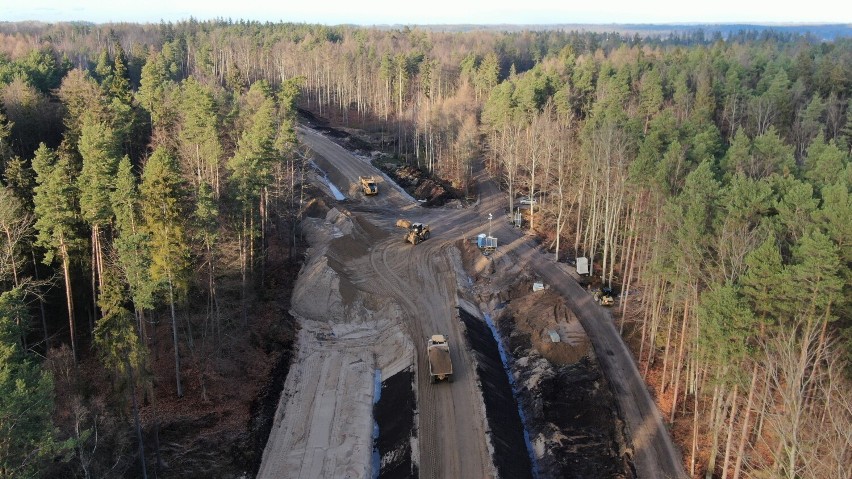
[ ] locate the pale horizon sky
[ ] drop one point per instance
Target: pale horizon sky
(431, 12)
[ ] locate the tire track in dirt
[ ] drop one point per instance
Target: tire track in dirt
(426, 416)
(420, 281)
(655, 456)
(451, 435)
(451, 424)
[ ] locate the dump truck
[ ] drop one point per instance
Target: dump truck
(415, 232)
(368, 185)
(440, 364)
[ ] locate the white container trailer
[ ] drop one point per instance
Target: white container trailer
(582, 265)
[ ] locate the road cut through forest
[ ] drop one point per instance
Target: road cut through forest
(366, 303)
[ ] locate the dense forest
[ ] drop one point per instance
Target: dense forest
(150, 170)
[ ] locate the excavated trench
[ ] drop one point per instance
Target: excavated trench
(510, 455)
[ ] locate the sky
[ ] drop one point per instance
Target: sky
(413, 12)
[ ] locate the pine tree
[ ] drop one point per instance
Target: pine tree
(95, 184)
(200, 148)
(740, 223)
(727, 327)
(131, 243)
(487, 75)
(163, 210)
(796, 208)
(153, 87)
(251, 174)
(824, 162)
(769, 154)
(694, 221)
(55, 197)
(115, 334)
(835, 216)
(206, 224)
(5, 147)
(103, 69)
(738, 156)
(119, 85)
(650, 95)
(26, 398)
(83, 99)
(766, 283)
(20, 179)
(817, 274)
(119, 346)
(726, 324)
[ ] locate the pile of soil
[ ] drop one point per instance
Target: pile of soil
(570, 410)
(571, 414)
(544, 313)
(394, 415)
(348, 138)
(431, 191)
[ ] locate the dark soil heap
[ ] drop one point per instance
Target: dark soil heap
(394, 414)
(420, 185)
(570, 411)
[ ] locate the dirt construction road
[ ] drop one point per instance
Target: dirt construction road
(367, 302)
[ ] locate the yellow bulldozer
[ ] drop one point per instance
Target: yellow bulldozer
(415, 232)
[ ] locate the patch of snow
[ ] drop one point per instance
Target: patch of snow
(334, 191)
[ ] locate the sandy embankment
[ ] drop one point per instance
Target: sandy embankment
(323, 425)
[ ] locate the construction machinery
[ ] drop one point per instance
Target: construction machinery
(440, 364)
(368, 185)
(415, 232)
(605, 296)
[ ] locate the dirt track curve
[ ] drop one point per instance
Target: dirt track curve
(367, 301)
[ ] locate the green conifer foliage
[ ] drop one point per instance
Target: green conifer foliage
(26, 398)
(55, 197)
(163, 210)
